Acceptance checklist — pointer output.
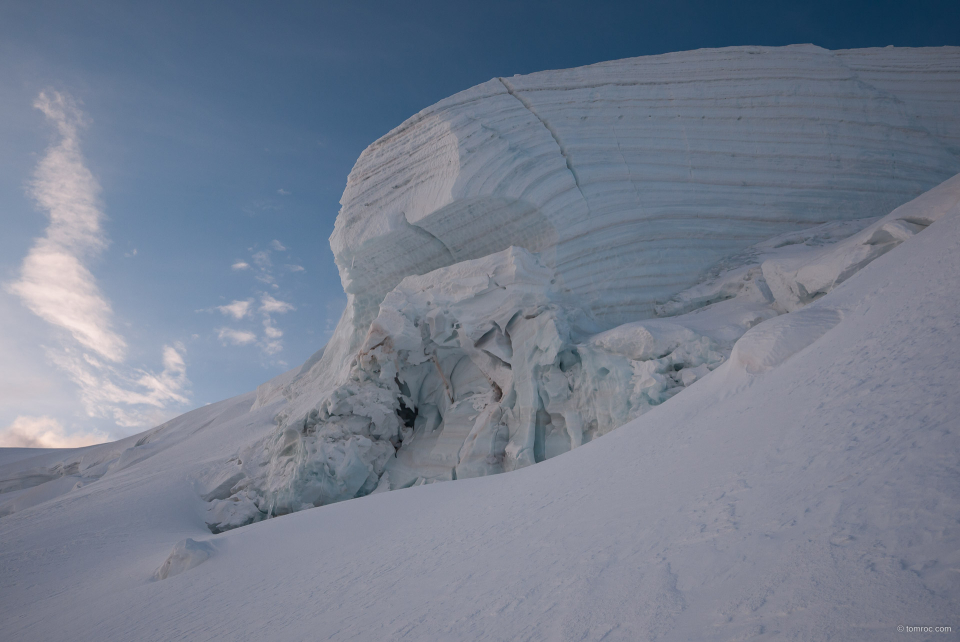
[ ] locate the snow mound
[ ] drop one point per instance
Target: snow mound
(187, 554)
(631, 178)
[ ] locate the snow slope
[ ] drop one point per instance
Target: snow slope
(807, 489)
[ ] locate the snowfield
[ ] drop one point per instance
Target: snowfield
(780, 456)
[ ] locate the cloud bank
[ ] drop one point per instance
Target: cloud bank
(57, 285)
(45, 432)
(237, 309)
(236, 337)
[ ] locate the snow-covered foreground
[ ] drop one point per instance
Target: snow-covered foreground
(808, 489)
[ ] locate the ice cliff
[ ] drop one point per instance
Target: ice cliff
(536, 260)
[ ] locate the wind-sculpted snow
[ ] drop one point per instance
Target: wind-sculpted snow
(485, 243)
(630, 178)
(677, 160)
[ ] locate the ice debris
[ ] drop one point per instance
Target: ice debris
(186, 554)
(470, 370)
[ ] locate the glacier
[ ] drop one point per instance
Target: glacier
(507, 252)
(807, 488)
(738, 266)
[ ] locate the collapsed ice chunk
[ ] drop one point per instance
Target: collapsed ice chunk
(186, 554)
(795, 281)
(770, 344)
(470, 370)
(645, 340)
(236, 510)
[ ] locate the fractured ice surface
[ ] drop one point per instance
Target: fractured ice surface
(477, 368)
(504, 253)
(467, 371)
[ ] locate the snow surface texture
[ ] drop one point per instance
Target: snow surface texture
(679, 159)
(807, 489)
(486, 242)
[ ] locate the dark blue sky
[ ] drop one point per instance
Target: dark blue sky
(202, 112)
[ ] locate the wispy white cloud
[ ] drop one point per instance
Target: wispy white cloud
(237, 309)
(269, 305)
(45, 432)
(283, 192)
(269, 340)
(56, 285)
(132, 397)
(236, 337)
(271, 332)
(264, 266)
(261, 207)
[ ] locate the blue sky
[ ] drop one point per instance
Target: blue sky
(170, 172)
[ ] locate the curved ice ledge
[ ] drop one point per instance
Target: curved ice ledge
(487, 243)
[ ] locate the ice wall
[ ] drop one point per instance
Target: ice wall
(678, 160)
(631, 177)
(576, 201)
